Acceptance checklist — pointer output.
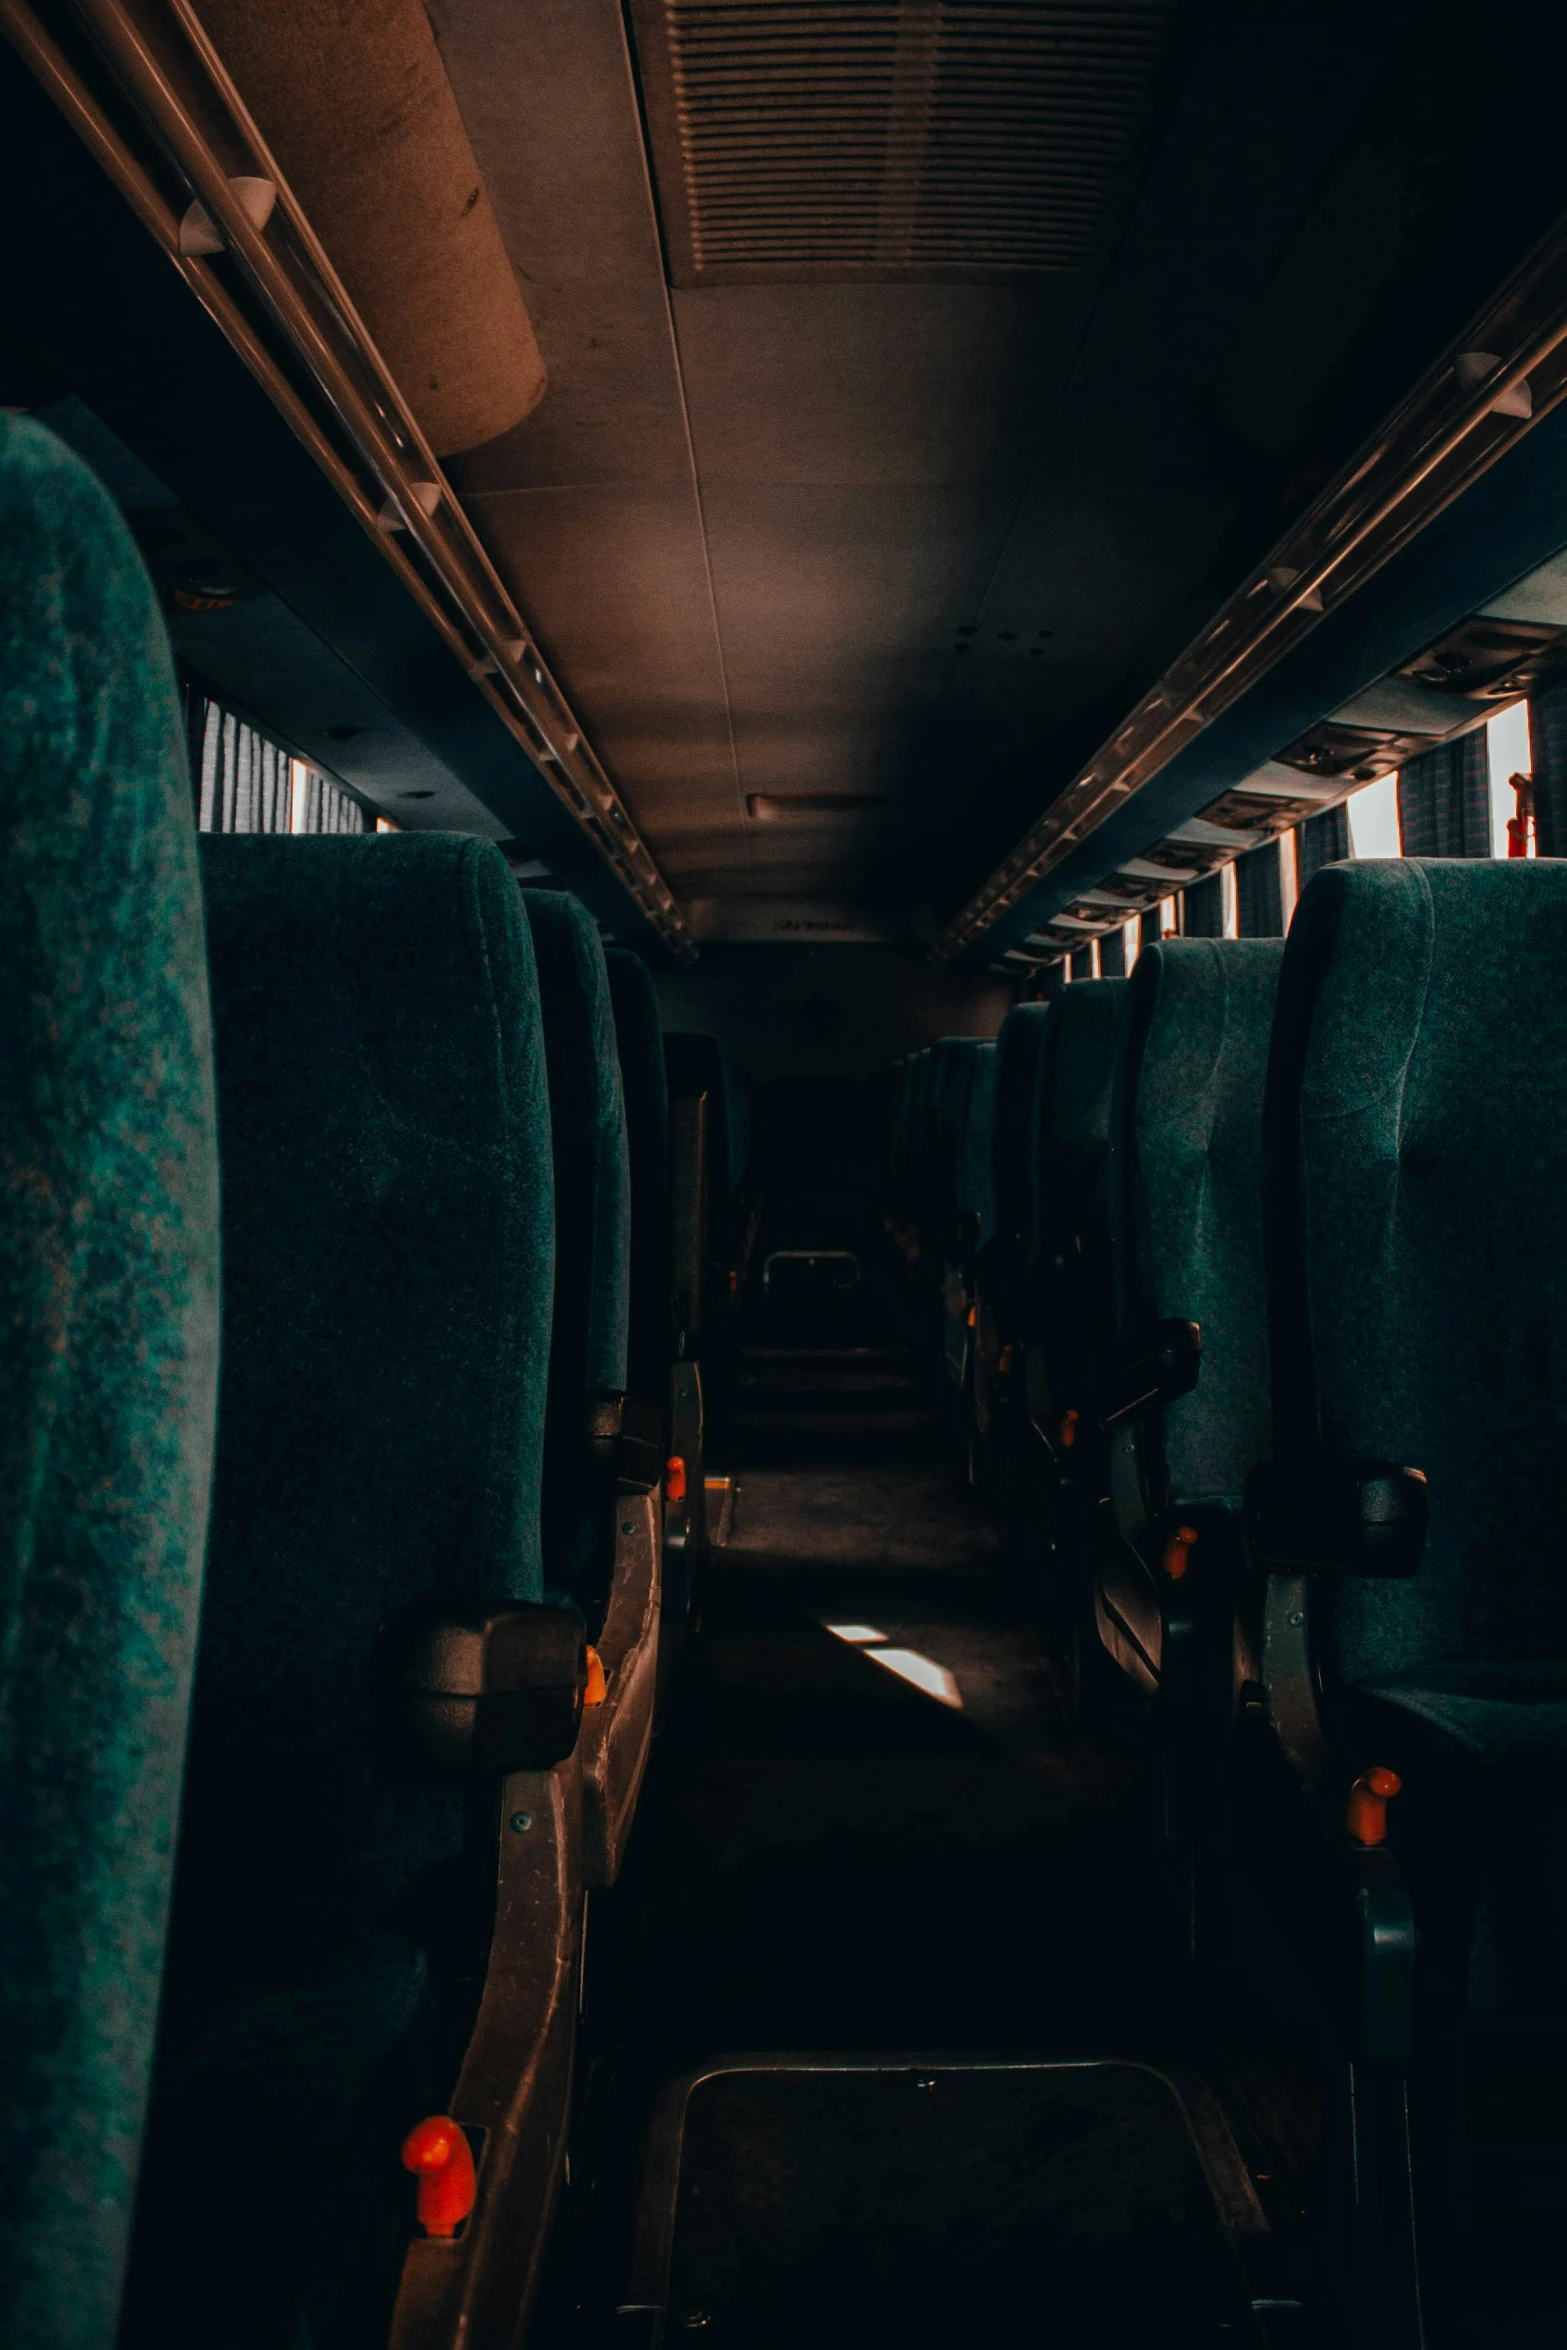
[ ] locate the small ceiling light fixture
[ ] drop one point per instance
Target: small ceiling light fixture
(199, 232)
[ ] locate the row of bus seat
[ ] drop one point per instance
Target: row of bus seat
(1266, 1366)
(330, 1672)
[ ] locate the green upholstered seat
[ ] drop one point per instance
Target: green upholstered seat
(593, 1238)
(1072, 1307)
(388, 1238)
(976, 1167)
(1019, 1049)
(1186, 1196)
(1416, 1156)
(108, 1295)
(639, 1040)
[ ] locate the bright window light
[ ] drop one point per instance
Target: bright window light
(1169, 921)
(922, 1671)
(1133, 935)
(1229, 899)
(1094, 971)
(1373, 819)
(1509, 753)
(856, 1634)
(1289, 875)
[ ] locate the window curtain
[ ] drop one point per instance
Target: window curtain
(1112, 955)
(1548, 763)
(1321, 840)
(1202, 908)
(1444, 800)
(247, 784)
(1149, 929)
(1083, 963)
(1259, 893)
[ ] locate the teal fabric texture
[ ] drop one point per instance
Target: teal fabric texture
(1416, 1150)
(1019, 1050)
(589, 1337)
(1072, 1292)
(1186, 1193)
(640, 1042)
(976, 1166)
(388, 1233)
(109, 1297)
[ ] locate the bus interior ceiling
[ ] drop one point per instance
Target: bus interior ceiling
(808, 1538)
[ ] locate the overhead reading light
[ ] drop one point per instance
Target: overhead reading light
(782, 807)
(199, 232)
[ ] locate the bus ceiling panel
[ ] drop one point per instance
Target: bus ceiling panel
(1496, 551)
(151, 104)
(763, 518)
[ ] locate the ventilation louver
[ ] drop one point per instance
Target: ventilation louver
(833, 139)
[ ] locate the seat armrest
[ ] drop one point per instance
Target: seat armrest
(1345, 1516)
(493, 1686)
(1162, 1366)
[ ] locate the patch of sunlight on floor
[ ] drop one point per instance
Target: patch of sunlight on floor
(922, 1671)
(857, 1634)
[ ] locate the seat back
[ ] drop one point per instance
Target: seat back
(640, 1043)
(1416, 1153)
(1019, 1050)
(588, 1338)
(976, 1170)
(388, 1244)
(1186, 1194)
(1073, 1298)
(108, 1295)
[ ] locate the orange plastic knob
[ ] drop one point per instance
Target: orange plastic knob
(674, 1478)
(1368, 1801)
(1178, 1550)
(438, 2151)
(1068, 1431)
(598, 1686)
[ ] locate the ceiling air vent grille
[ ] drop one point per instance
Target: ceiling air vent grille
(891, 138)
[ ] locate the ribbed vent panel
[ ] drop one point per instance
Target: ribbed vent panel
(840, 138)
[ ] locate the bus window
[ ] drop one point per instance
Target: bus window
(251, 784)
(1373, 819)
(1509, 753)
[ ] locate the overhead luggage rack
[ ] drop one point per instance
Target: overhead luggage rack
(149, 96)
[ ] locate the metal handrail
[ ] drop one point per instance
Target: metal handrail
(359, 428)
(1439, 439)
